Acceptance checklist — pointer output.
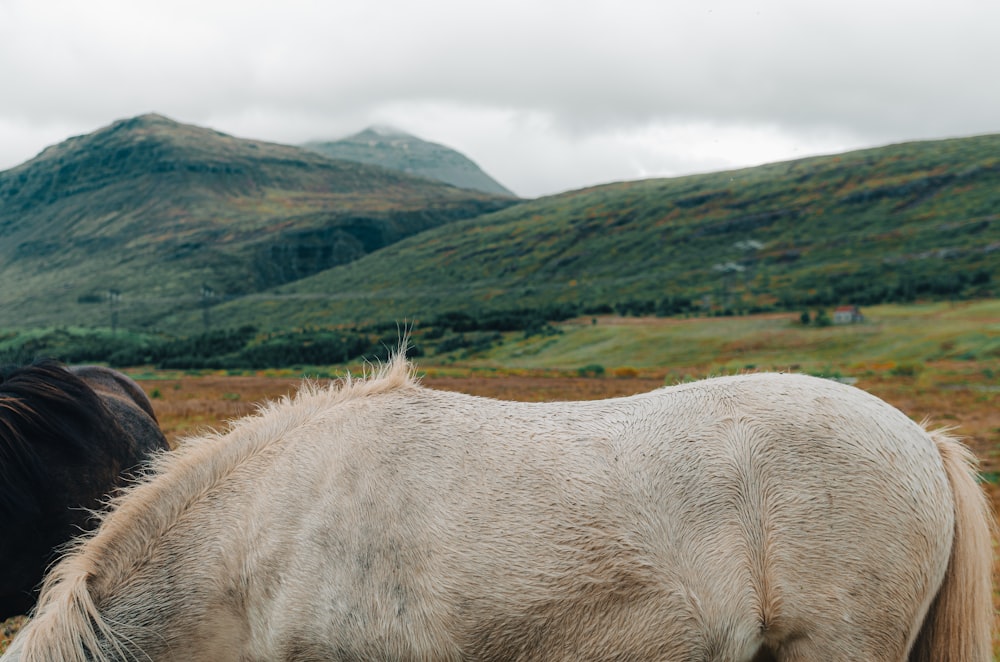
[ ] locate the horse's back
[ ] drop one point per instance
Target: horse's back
(131, 410)
(711, 518)
(112, 383)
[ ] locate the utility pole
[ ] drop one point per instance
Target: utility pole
(114, 298)
(749, 248)
(728, 270)
(207, 296)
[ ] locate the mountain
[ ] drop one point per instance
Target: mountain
(396, 150)
(154, 224)
(160, 212)
(917, 220)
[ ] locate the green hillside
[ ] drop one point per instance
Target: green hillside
(160, 212)
(396, 150)
(154, 226)
(899, 223)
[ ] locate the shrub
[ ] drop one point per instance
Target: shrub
(905, 370)
(451, 343)
(591, 370)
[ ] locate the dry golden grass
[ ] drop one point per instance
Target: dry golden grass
(8, 629)
(187, 406)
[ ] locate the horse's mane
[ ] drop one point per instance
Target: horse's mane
(68, 606)
(44, 409)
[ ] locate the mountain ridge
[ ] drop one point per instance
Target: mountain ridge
(397, 150)
(166, 207)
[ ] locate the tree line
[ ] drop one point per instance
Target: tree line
(469, 330)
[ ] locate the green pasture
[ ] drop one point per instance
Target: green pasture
(892, 337)
(901, 339)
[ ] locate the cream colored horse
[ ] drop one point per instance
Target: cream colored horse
(759, 517)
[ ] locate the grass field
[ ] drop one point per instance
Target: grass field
(899, 335)
(940, 362)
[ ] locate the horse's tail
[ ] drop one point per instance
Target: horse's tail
(958, 627)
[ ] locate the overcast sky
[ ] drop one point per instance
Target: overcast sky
(544, 95)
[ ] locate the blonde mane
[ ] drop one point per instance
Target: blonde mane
(69, 624)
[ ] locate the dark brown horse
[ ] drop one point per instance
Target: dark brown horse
(68, 438)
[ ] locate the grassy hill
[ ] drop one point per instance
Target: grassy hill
(899, 223)
(397, 150)
(197, 229)
(161, 211)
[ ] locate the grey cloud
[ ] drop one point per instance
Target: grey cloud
(558, 80)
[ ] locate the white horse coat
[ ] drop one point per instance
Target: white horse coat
(764, 517)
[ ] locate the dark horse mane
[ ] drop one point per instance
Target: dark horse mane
(45, 407)
(69, 437)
